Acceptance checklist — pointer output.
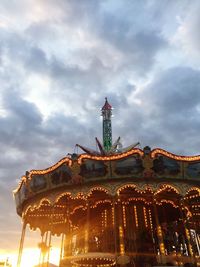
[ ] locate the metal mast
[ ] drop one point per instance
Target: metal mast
(106, 112)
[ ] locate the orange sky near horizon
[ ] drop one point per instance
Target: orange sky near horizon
(31, 251)
(30, 256)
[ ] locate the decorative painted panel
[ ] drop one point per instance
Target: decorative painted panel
(166, 166)
(193, 170)
(129, 166)
(38, 183)
(92, 169)
(61, 175)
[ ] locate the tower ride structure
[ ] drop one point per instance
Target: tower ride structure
(107, 127)
(115, 207)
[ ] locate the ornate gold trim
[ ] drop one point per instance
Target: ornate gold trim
(52, 168)
(112, 157)
(158, 151)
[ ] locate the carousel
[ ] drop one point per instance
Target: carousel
(115, 206)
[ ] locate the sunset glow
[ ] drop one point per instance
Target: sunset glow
(30, 257)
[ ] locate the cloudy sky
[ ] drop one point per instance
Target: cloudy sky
(59, 59)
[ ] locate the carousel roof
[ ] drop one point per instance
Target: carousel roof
(133, 166)
(116, 165)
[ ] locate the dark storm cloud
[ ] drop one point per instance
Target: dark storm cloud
(24, 130)
(22, 52)
(176, 90)
(22, 120)
(29, 141)
(172, 101)
(138, 47)
(64, 76)
(127, 34)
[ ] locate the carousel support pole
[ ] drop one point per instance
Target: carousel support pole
(67, 237)
(61, 247)
(150, 222)
(159, 235)
(121, 229)
(49, 237)
(196, 237)
(42, 235)
(44, 252)
(122, 259)
(114, 225)
(187, 233)
(49, 247)
(21, 245)
(135, 214)
(105, 223)
(197, 240)
(87, 228)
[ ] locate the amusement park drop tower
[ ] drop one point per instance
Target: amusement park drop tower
(107, 127)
